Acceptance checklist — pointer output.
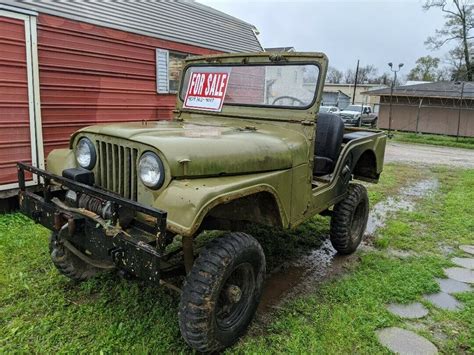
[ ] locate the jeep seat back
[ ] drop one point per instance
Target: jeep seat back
(329, 135)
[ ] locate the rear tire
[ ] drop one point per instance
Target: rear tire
(69, 264)
(222, 292)
(349, 219)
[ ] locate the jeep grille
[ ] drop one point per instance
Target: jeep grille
(117, 169)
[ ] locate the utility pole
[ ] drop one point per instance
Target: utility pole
(355, 83)
(395, 71)
(460, 109)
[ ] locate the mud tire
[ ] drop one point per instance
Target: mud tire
(349, 219)
(69, 264)
(201, 319)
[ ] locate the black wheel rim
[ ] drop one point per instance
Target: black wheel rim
(358, 221)
(235, 297)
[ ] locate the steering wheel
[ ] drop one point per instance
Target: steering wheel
(295, 99)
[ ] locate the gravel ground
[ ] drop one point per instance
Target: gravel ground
(429, 154)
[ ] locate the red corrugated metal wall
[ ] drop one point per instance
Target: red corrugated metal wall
(90, 74)
(15, 143)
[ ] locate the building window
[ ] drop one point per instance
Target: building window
(168, 70)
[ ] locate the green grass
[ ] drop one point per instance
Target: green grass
(41, 311)
(342, 315)
(394, 176)
(434, 139)
(445, 219)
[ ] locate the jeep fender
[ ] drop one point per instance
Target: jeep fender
(366, 155)
(189, 201)
(60, 159)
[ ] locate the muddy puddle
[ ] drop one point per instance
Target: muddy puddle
(313, 267)
(297, 276)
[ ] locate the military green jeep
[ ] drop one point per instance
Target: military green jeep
(246, 145)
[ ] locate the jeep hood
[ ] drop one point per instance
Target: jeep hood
(210, 148)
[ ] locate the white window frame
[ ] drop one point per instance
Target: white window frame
(162, 70)
(162, 63)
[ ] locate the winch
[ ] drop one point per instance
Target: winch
(98, 206)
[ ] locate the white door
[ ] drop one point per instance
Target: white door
(20, 115)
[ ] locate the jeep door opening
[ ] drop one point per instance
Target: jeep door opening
(246, 145)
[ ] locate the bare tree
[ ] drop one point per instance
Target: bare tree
(459, 15)
(367, 74)
(349, 76)
(334, 76)
(455, 62)
(384, 79)
(426, 69)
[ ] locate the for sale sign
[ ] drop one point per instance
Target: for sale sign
(206, 91)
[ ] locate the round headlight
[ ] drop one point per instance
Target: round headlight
(151, 170)
(85, 153)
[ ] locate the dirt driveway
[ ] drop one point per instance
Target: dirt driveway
(429, 154)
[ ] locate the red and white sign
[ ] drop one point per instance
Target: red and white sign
(206, 91)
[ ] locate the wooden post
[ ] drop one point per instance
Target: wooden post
(460, 109)
(418, 115)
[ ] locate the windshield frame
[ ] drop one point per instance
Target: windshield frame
(291, 63)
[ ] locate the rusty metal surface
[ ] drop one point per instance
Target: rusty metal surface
(15, 143)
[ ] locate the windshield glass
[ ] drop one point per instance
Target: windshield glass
(324, 108)
(211, 87)
(353, 108)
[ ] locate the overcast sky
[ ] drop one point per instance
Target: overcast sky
(376, 32)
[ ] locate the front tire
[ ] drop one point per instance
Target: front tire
(349, 219)
(222, 292)
(67, 263)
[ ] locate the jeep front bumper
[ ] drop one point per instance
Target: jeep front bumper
(137, 249)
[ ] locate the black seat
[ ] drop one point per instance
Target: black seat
(354, 135)
(329, 134)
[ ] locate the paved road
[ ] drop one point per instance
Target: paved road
(429, 154)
